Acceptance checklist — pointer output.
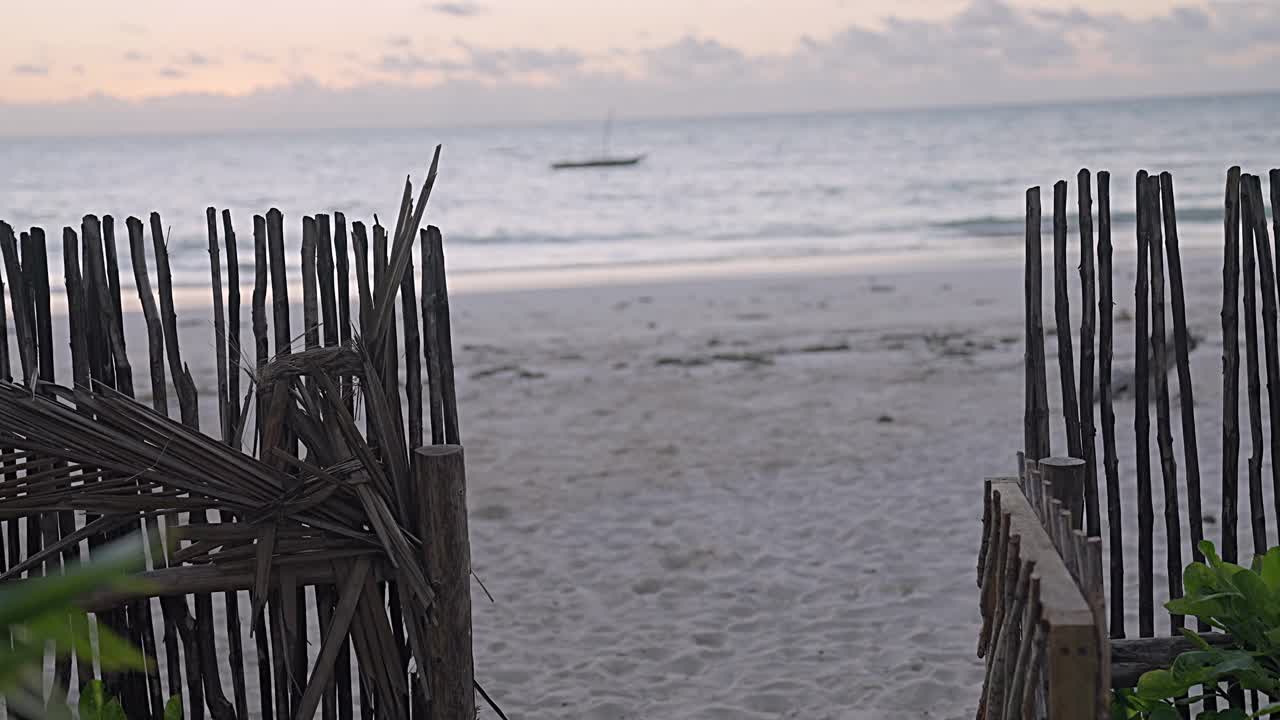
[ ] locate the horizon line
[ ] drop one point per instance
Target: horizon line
(658, 118)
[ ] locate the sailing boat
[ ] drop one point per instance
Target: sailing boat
(604, 159)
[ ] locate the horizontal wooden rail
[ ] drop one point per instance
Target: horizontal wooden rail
(196, 579)
(1068, 633)
(1132, 657)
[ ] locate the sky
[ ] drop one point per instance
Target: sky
(138, 66)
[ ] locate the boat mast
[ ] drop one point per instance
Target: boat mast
(608, 129)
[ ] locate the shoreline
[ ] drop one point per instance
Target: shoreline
(853, 264)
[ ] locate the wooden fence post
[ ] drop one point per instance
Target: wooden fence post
(1065, 477)
(442, 518)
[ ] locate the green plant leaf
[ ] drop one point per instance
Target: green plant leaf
(1209, 552)
(173, 708)
(96, 705)
(1198, 579)
(1195, 639)
(1160, 684)
(24, 600)
(1270, 569)
(93, 698)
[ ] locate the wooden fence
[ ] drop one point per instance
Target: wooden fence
(1160, 301)
(323, 564)
(1043, 634)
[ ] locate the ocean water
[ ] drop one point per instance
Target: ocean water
(715, 189)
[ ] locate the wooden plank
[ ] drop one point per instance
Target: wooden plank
(1072, 650)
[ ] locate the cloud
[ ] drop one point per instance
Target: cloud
(195, 59)
(490, 63)
(990, 51)
(133, 56)
(514, 61)
(77, 69)
(692, 56)
(31, 69)
(458, 9)
(257, 58)
(406, 64)
(399, 41)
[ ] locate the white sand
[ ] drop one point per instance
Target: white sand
(791, 539)
(735, 539)
(754, 495)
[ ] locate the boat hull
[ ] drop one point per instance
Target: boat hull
(597, 163)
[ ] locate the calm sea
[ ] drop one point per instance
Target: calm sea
(709, 189)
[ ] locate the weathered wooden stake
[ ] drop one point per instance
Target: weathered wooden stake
(1257, 513)
(1267, 275)
(442, 486)
(1062, 322)
(1065, 477)
(1164, 431)
(1088, 324)
(1110, 461)
(1035, 418)
(1231, 366)
(1142, 419)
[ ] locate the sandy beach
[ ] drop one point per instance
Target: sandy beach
(748, 497)
(760, 496)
